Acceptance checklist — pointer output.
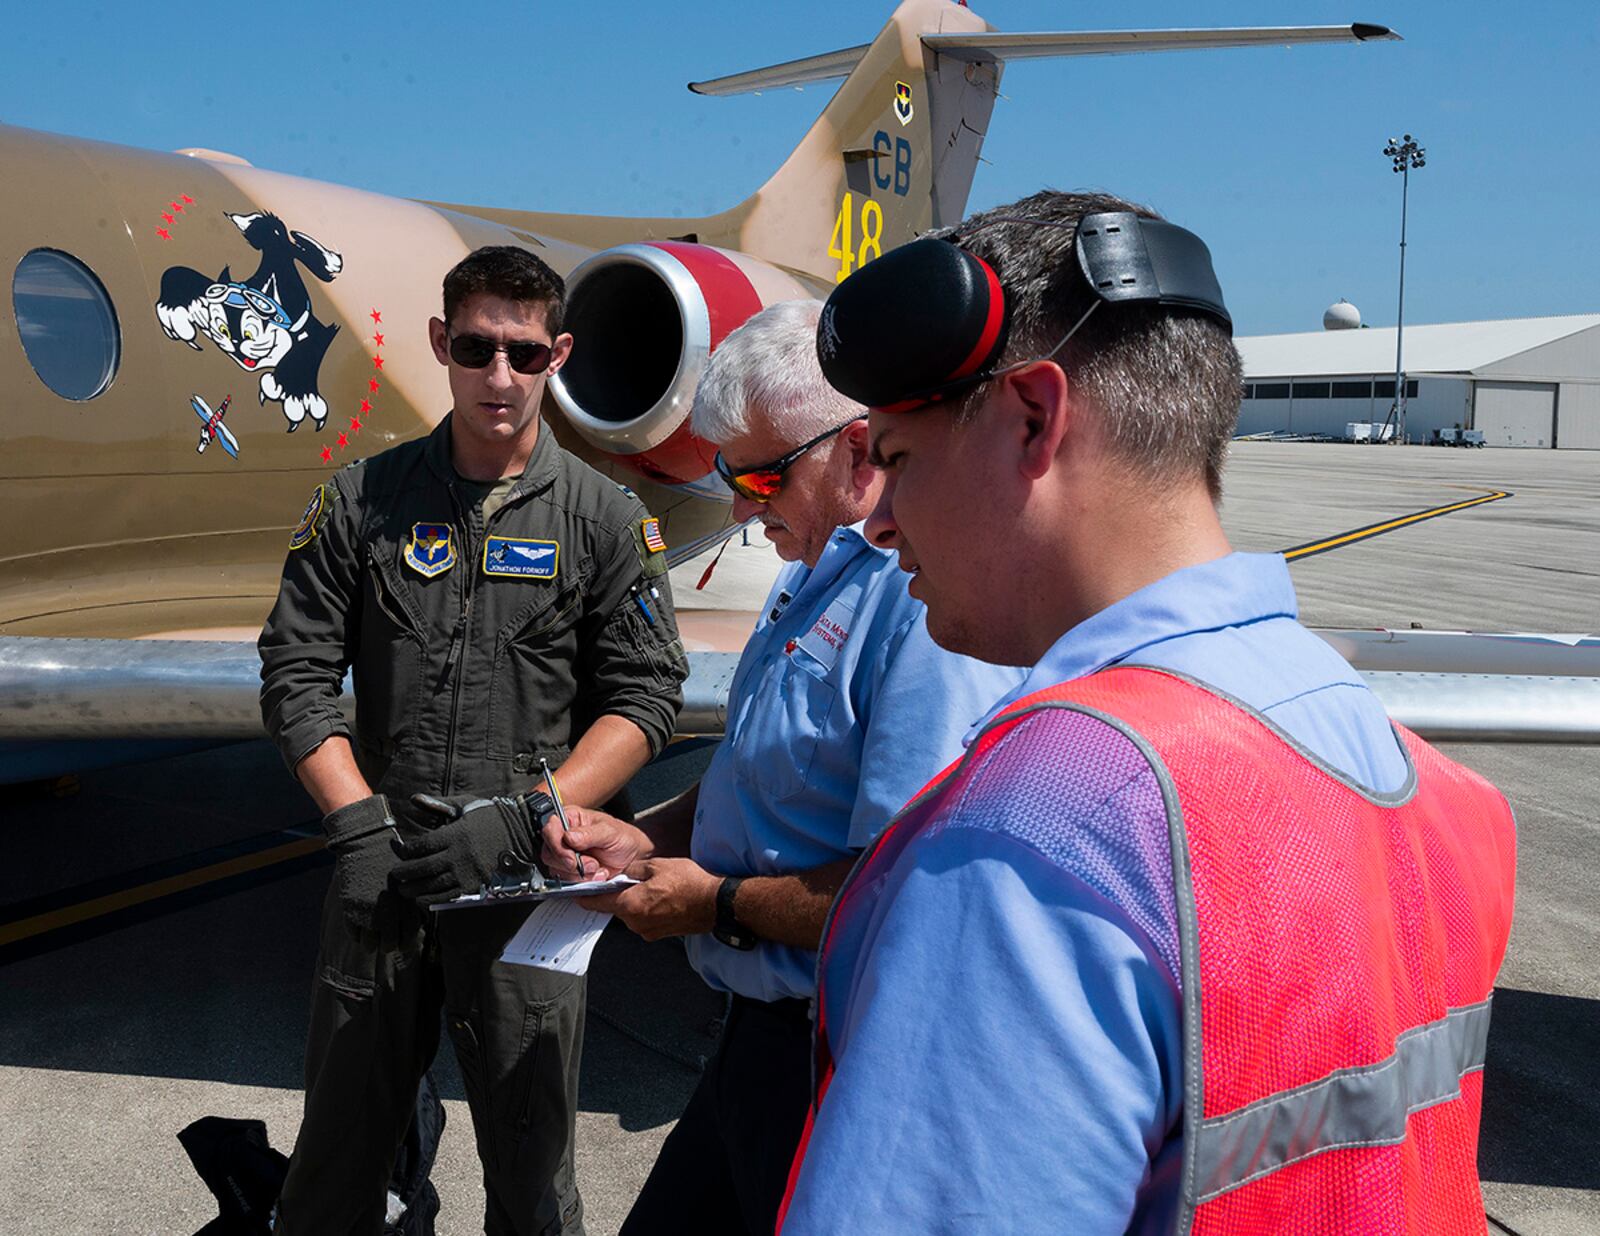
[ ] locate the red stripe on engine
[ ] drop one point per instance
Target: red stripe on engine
(991, 325)
(730, 299)
(681, 458)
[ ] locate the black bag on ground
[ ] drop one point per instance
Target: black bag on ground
(245, 1174)
(242, 1171)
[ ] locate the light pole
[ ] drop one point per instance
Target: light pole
(1405, 154)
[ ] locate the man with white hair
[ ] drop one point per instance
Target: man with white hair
(842, 709)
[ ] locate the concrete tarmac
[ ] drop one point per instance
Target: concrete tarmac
(123, 1020)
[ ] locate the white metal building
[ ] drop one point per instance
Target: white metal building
(1522, 382)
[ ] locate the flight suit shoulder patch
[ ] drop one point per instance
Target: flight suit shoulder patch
(652, 549)
(315, 517)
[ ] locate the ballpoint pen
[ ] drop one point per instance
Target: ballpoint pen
(561, 811)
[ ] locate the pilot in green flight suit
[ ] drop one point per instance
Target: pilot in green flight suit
(499, 603)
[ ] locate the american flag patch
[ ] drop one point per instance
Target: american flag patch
(652, 536)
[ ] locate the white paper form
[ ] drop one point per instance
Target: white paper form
(559, 935)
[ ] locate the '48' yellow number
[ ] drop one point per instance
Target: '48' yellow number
(840, 245)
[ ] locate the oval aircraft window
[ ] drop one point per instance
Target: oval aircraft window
(67, 323)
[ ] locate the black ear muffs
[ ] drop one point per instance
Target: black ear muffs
(928, 320)
(912, 327)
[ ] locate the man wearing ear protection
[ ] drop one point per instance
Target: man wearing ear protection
(1192, 939)
(840, 708)
(500, 606)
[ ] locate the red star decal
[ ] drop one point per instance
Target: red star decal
(187, 200)
(378, 339)
(376, 317)
(327, 455)
(355, 424)
(789, 648)
(366, 406)
(377, 362)
(343, 441)
(372, 385)
(163, 233)
(168, 218)
(177, 206)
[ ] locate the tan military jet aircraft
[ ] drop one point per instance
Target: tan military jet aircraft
(286, 314)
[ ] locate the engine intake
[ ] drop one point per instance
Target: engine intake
(645, 318)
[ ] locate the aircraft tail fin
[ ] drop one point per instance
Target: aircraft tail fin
(892, 155)
(894, 152)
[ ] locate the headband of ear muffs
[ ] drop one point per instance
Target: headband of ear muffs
(929, 320)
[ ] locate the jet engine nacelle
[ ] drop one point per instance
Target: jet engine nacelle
(645, 318)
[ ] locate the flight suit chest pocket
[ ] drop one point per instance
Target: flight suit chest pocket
(533, 686)
(389, 658)
(778, 741)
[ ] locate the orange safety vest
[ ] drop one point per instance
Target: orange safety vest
(1338, 950)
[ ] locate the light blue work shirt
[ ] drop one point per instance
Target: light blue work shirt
(1005, 1023)
(841, 709)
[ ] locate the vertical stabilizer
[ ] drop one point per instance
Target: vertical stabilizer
(892, 154)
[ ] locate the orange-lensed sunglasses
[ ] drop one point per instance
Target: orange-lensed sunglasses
(761, 483)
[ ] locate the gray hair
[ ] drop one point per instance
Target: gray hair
(768, 369)
(1166, 384)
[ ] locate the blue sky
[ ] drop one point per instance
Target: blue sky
(1273, 156)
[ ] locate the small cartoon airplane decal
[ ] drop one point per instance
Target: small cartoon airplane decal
(213, 430)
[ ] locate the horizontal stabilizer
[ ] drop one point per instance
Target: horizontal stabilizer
(995, 45)
(790, 73)
(1003, 46)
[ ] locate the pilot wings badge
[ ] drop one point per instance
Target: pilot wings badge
(519, 557)
(431, 550)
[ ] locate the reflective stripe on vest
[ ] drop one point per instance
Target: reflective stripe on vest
(1365, 1106)
(1359, 1029)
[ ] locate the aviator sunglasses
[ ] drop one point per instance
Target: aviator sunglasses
(762, 482)
(475, 352)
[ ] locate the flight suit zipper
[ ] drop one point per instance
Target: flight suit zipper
(452, 665)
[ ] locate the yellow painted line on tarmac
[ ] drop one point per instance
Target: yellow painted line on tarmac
(95, 907)
(1390, 525)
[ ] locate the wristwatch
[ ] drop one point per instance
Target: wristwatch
(728, 928)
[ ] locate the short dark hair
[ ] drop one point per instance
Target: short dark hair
(1165, 382)
(510, 273)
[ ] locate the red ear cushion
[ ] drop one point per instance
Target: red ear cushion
(910, 323)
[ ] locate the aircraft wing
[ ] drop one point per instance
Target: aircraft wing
(61, 689)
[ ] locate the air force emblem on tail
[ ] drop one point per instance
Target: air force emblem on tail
(431, 550)
(520, 558)
(902, 103)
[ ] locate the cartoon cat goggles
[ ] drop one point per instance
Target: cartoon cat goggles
(238, 296)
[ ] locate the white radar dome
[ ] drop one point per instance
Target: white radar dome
(1342, 316)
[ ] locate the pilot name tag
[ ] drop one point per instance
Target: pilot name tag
(520, 558)
(829, 633)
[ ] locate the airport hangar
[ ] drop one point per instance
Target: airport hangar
(1531, 382)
